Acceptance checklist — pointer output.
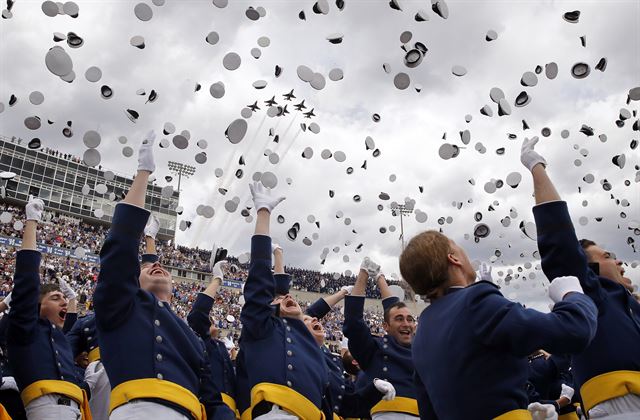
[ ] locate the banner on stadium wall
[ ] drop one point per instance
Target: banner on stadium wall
(53, 250)
(231, 283)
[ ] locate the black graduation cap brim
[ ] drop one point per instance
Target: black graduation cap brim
(440, 8)
(71, 9)
(580, 70)
(132, 115)
(106, 92)
(572, 17)
(481, 230)
(57, 37)
(34, 143)
(458, 71)
(67, 132)
(602, 64)
(375, 117)
(413, 58)
(252, 13)
(421, 16)
(529, 79)
(522, 99)
(395, 5)
(74, 41)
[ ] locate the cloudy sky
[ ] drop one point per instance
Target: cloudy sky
(409, 134)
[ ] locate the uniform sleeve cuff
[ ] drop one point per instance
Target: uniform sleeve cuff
(261, 247)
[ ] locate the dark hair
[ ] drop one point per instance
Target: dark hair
(348, 365)
(398, 305)
(586, 243)
(424, 263)
(47, 288)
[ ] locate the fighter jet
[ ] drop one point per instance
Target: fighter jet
(289, 96)
(300, 106)
(271, 102)
(309, 114)
(254, 107)
(284, 110)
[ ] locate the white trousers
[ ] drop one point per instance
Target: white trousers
(393, 416)
(145, 410)
(47, 408)
(96, 376)
(626, 407)
(277, 413)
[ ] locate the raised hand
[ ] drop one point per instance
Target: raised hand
(34, 209)
(485, 272)
(152, 227)
(528, 156)
(145, 153)
(262, 198)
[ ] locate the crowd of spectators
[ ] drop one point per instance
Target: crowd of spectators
(70, 233)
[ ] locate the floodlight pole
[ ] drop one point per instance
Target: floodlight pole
(181, 169)
(401, 210)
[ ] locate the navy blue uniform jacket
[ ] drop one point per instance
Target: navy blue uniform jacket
(140, 336)
(378, 357)
(277, 350)
(221, 366)
(37, 349)
(616, 345)
(474, 342)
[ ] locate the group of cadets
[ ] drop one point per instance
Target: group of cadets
(472, 354)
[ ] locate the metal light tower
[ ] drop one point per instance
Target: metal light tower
(181, 169)
(401, 210)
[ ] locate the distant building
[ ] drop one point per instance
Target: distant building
(58, 179)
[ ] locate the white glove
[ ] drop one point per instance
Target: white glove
(348, 289)
(66, 290)
(7, 301)
(370, 267)
(9, 382)
(145, 153)
(485, 272)
(34, 209)
(274, 247)
(567, 392)
(262, 198)
(152, 227)
(217, 272)
(560, 286)
(542, 411)
(530, 157)
(386, 388)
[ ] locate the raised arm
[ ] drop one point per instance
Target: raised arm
(361, 344)
(23, 315)
(259, 288)
(560, 251)
(72, 305)
(321, 307)
(500, 323)
(119, 265)
(198, 317)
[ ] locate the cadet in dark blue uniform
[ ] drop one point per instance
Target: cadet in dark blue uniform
(199, 320)
(607, 373)
(550, 383)
(285, 369)
(156, 364)
(9, 393)
(387, 357)
(39, 353)
(471, 347)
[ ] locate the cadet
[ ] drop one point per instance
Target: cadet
(387, 357)
(156, 364)
(471, 347)
(221, 366)
(38, 351)
(286, 373)
(607, 373)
